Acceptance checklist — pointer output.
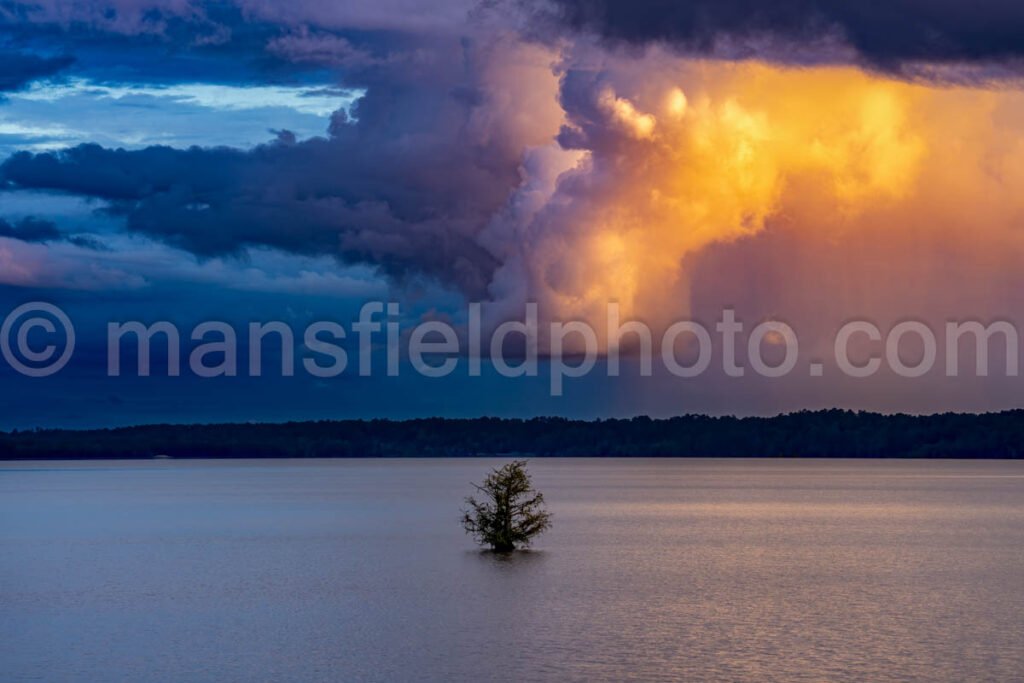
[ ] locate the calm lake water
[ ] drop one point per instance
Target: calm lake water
(358, 570)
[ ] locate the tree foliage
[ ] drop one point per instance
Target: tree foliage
(510, 512)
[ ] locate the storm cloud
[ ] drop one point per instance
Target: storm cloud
(885, 35)
(661, 155)
(405, 183)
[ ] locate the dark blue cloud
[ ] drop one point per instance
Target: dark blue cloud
(886, 34)
(212, 42)
(30, 230)
(17, 70)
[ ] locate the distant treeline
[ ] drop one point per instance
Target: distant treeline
(824, 434)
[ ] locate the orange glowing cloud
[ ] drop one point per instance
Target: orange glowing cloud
(661, 157)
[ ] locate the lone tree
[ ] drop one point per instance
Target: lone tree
(511, 512)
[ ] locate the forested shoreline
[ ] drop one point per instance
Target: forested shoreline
(821, 434)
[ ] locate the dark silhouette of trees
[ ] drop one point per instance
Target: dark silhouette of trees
(822, 434)
(510, 512)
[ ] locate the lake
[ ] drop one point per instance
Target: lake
(358, 570)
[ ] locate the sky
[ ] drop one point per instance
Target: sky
(813, 162)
